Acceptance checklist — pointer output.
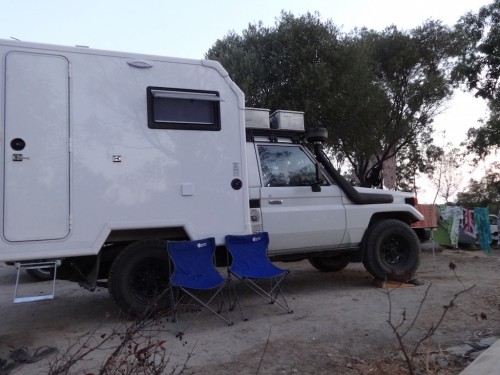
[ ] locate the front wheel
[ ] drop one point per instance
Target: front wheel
(139, 278)
(329, 264)
(391, 251)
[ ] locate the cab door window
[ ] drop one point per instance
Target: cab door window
(286, 166)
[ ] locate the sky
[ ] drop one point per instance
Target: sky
(189, 28)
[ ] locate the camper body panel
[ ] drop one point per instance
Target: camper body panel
(120, 173)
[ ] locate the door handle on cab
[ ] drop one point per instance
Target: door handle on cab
(275, 201)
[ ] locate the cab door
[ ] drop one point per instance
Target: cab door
(296, 217)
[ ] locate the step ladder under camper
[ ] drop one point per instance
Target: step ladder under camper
(48, 264)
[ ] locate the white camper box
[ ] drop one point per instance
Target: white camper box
(103, 146)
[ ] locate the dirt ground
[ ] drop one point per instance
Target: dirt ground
(339, 325)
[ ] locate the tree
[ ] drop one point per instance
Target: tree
(478, 51)
(410, 69)
(357, 107)
(288, 66)
(446, 176)
(375, 92)
(416, 158)
(483, 193)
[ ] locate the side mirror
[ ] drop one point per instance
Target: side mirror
(316, 187)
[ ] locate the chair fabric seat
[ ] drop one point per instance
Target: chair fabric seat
(255, 270)
(198, 281)
(193, 264)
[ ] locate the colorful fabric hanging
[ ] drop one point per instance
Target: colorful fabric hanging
(451, 216)
(481, 215)
(470, 223)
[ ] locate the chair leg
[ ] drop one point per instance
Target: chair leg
(279, 291)
(225, 305)
(235, 301)
(206, 304)
(268, 295)
(174, 301)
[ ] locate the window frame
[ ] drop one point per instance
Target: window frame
(326, 181)
(212, 97)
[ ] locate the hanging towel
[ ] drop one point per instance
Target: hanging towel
(481, 215)
(470, 223)
(451, 215)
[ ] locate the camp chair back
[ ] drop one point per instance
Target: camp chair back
(193, 274)
(250, 264)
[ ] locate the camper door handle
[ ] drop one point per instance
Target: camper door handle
(19, 157)
(275, 201)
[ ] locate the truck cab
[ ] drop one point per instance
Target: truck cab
(283, 202)
(311, 212)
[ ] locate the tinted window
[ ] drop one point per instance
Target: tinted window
(183, 109)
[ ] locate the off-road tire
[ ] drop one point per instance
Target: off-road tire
(139, 278)
(391, 251)
(329, 264)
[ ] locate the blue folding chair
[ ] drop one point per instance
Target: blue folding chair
(251, 264)
(193, 275)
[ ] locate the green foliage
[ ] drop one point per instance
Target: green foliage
(357, 106)
(486, 138)
(477, 43)
(417, 157)
(410, 69)
(288, 66)
(376, 92)
(483, 193)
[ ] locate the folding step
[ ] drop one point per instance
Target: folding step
(49, 264)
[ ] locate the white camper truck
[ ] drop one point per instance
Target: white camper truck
(106, 155)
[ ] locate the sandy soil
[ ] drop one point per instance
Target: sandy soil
(339, 324)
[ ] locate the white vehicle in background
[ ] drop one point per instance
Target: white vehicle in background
(494, 227)
(106, 155)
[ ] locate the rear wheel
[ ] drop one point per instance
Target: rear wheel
(392, 251)
(139, 278)
(329, 264)
(40, 274)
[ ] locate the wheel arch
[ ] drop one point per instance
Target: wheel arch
(133, 234)
(88, 269)
(403, 216)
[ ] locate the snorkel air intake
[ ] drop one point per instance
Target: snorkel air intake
(317, 136)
